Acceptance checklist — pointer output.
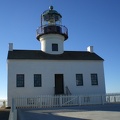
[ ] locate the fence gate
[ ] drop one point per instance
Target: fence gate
(70, 100)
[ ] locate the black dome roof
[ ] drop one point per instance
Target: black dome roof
(51, 11)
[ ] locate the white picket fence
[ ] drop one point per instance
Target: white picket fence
(60, 101)
(57, 101)
(113, 98)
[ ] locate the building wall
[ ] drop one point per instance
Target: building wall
(48, 68)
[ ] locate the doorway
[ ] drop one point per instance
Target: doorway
(59, 84)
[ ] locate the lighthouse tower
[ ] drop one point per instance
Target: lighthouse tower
(52, 33)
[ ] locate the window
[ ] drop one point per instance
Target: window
(37, 80)
(94, 79)
(54, 47)
(20, 80)
(79, 79)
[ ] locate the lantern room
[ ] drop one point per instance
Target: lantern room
(51, 23)
(51, 17)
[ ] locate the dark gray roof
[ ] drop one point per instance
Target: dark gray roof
(40, 55)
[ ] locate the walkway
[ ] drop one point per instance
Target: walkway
(95, 112)
(4, 114)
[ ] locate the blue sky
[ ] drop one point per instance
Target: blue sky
(90, 22)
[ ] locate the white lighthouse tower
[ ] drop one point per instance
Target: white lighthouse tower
(52, 33)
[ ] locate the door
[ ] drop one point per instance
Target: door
(59, 85)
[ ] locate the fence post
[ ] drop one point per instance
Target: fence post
(4, 104)
(60, 101)
(13, 105)
(14, 111)
(103, 99)
(115, 99)
(79, 100)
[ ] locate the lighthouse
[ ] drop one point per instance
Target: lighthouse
(52, 70)
(52, 33)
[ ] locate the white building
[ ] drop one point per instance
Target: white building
(51, 70)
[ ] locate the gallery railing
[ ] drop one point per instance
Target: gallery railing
(52, 29)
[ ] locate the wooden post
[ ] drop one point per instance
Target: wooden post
(14, 111)
(103, 99)
(60, 101)
(13, 105)
(3, 104)
(79, 100)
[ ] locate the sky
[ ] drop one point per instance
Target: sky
(89, 22)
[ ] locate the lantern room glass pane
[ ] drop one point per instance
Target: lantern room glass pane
(51, 20)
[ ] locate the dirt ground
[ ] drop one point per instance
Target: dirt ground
(4, 113)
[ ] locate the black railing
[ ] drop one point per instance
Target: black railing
(52, 29)
(68, 91)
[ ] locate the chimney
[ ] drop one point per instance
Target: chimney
(90, 49)
(10, 46)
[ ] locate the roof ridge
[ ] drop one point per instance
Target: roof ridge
(42, 51)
